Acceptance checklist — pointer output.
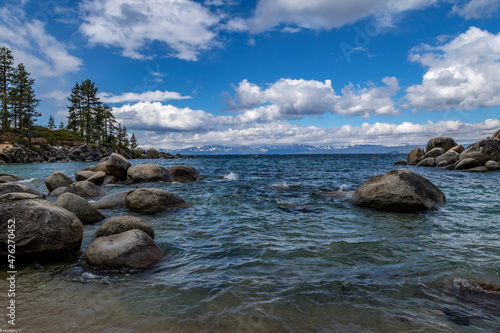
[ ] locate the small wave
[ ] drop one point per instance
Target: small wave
(26, 180)
(231, 176)
(344, 188)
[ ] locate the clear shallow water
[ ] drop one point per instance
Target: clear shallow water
(267, 247)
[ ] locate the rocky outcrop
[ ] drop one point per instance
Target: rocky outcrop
(117, 165)
(18, 188)
(132, 249)
(80, 207)
(441, 142)
(120, 224)
(152, 200)
(398, 190)
(496, 136)
(483, 151)
(148, 173)
(415, 156)
(184, 173)
(85, 189)
(56, 180)
(43, 230)
(111, 201)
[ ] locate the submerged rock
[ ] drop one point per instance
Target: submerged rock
(80, 207)
(120, 224)
(401, 162)
(185, 173)
(398, 190)
(43, 230)
(148, 173)
(111, 201)
(152, 200)
(132, 249)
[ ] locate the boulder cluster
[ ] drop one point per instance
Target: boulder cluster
(54, 230)
(445, 153)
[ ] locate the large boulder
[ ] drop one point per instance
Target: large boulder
(496, 136)
(427, 162)
(458, 148)
(8, 178)
(97, 178)
(398, 190)
(441, 142)
(111, 201)
(483, 151)
(83, 175)
(85, 189)
(152, 200)
(110, 179)
(185, 173)
(117, 165)
(57, 192)
(415, 156)
(42, 229)
(492, 165)
(148, 173)
(18, 188)
(450, 157)
(132, 249)
(101, 167)
(56, 180)
(435, 152)
(120, 224)
(80, 207)
(467, 163)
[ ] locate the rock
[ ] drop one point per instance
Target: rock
(56, 180)
(18, 188)
(83, 175)
(85, 189)
(492, 165)
(441, 142)
(152, 200)
(117, 165)
(8, 178)
(184, 173)
(89, 168)
(110, 179)
(442, 164)
(97, 178)
(398, 190)
(467, 163)
(148, 173)
(435, 152)
(450, 167)
(483, 151)
(120, 224)
(57, 192)
(43, 230)
(496, 136)
(458, 148)
(450, 157)
(132, 249)
(415, 156)
(478, 169)
(401, 162)
(101, 167)
(428, 162)
(111, 201)
(80, 207)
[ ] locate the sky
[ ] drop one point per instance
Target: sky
(183, 73)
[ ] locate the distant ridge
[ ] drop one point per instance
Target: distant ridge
(293, 149)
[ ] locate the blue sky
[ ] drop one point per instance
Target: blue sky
(183, 73)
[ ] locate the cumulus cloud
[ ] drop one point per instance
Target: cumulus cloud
(293, 99)
(476, 9)
(323, 14)
(283, 133)
(32, 45)
(185, 26)
(148, 96)
(461, 73)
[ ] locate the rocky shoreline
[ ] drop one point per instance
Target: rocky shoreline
(21, 154)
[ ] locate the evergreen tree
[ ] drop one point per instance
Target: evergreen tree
(61, 125)
(52, 123)
(6, 71)
(133, 142)
(75, 111)
(84, 110)
(106, 123)
(23, 101)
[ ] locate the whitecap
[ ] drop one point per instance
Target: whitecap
(231, 176)
(26, 180)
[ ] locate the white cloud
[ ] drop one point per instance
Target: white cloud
(476, 9)
(324, 14)
(461, 74)
(148, 96)
(185, 26)
(282, 133)
(31, 44)
(294, 99)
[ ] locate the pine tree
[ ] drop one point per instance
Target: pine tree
(52, 123)
(133, 142)
(61, 125)
(84, 109)
(6, 71)
(106, 123)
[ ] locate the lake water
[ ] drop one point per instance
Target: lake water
(271, 244)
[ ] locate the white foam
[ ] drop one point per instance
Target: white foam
(231, 176)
